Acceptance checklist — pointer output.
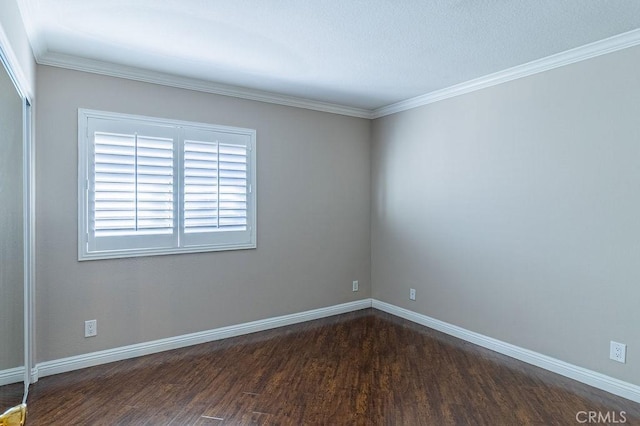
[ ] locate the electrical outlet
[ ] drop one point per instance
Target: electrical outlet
(90, 328)
(355, 286)
(412, 293)
(618, 351)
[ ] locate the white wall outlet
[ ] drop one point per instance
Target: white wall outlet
(618, 351)
(90, 328)
(355, 286)
(412, 293)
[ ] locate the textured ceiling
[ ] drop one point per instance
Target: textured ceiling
(358, 53)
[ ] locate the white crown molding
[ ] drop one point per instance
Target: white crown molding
(583, 375)
(147, 76)
(132, 351)
(598, 48)
(27, 10)
(16, 375)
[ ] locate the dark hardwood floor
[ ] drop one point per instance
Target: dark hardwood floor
(361, 368)
(11, 395)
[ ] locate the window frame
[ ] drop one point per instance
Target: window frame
(86, 145)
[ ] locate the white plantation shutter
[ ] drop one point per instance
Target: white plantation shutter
(133, 185)
(216, 188)
(150, 186)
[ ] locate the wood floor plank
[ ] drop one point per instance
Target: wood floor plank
(360, 368)
(11, 395)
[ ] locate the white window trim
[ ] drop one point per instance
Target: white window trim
(84, 140)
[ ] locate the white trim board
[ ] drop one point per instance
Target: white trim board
(64, 365)
(581, 53)
(16, 73)
(580, 374)
(138, 74)
(11, 375)
(583, 375)
(588, 51)
(25, 90)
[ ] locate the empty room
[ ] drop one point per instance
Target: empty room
(319, 213)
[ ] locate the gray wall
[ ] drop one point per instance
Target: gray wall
(515, 211)
(11, 227)
(512, 210)
(313, 222)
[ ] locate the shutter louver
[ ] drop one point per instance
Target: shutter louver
(133, 185)
(215, 187)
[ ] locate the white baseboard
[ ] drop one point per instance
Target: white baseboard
(16, 375)
(64, 365)
(592, 378)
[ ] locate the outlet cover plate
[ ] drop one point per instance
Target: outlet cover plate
(355, 286)
(412, 294)
(90, 328)
(618, 351)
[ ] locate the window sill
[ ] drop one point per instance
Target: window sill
(121, 254)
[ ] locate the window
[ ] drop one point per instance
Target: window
(151, 186)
